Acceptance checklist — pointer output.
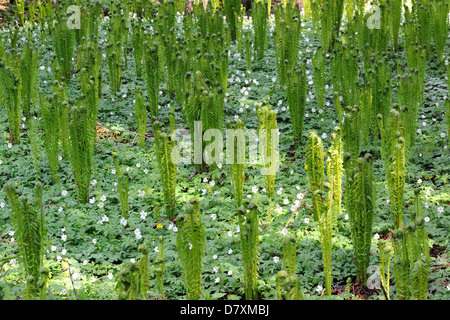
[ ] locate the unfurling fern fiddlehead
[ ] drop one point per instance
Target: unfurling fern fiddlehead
(411, 260)
(288, 287)
(133, 278)
(191, 248)
(167, 167)
(248, 224)
(29, 226)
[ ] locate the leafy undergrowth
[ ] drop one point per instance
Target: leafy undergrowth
(88, 244)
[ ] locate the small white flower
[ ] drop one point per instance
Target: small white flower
(230, 233)
(156, 249)
(53, 248)
(94, 241)
(59, 258)
(319, 288)
(230, 251)
(113, 171)
(63, 252)
(63, 237)
(105, 218)
(213, 216)
(219, 165)
(85, 262)
(60, 209)
(427, 219)
(276, 259)
(59, 158)
(64, 193)
(428, 192)
(138, 165)
(101, 205)
(63, 292)
(175, 229)
(440, 209)
(254, 189)
(110, 276)
(103, 198)
(231, 273)
(442, 135)
(376, 236)
(285, 201)
(419, 181)
(217, 280)
(346, 216)
(306, 220)
(143, 214)
(123, 222)
(205, 180)
(94, 182)
(145, 171)
(215, 269)
(92, 200)
(212, 183)
(190, 246)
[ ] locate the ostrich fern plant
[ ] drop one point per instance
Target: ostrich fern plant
(50, 127)
(360, 204)
(296, 97)
(237, 164)
(394, 155)
(140, 112)
(260, 16)
(411, 259)
(28, 221)
(28, 74)
(151, 68)
(167, 168)
(133, 278)
(10, 95)
(191, 248)
(123, 186)
(268, 141)
(80, 150)
(323, 197)
(248, 223)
